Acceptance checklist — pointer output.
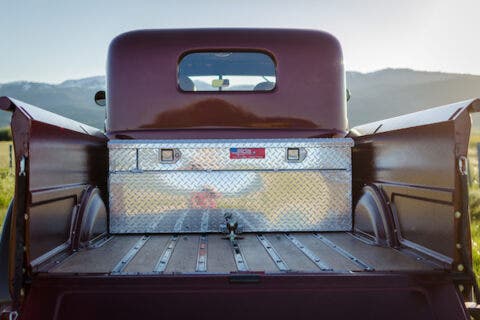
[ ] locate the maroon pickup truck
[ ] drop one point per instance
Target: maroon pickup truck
(227, 184)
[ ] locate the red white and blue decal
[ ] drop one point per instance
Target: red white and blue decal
(247, 153)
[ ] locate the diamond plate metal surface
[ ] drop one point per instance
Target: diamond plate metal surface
(123, 159)
(193, 193)
(240, 143)
(263, 201)
(215, 155)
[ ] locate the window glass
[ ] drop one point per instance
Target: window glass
(226, 71)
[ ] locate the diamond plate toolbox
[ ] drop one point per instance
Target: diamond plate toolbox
(187, 186)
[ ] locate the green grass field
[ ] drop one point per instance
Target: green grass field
(474, 201)
(6, 180)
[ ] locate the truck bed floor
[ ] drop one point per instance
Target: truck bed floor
(269, 253)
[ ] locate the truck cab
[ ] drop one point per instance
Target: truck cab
(227, 183)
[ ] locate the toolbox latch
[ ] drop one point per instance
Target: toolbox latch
(296, 154)
(167, 155)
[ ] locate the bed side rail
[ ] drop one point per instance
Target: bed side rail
(419, 163)
(57, 161)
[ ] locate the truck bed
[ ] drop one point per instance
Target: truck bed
(213, 253)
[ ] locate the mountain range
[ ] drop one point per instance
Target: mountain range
(374, 96)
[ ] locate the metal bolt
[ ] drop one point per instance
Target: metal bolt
(22, 292)
(25, 216)
(460, 267)
(458, 214)
(461, 287)
(459, 246)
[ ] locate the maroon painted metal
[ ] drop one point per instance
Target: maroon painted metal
(414, 159)
(421, 118)
(62, 158)
(36, 114)
(303, 296)
(143, 96)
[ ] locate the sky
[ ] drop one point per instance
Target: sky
(52, 41)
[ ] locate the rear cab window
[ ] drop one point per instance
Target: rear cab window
(226, 71)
